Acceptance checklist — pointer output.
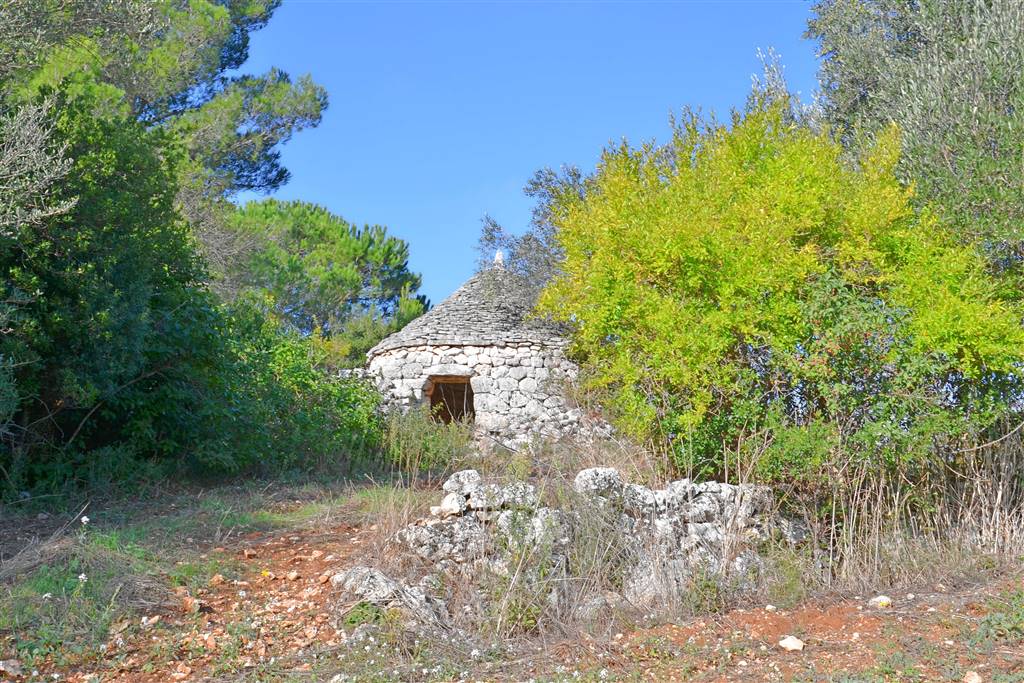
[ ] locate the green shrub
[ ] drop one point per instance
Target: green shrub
(748, 280)
(414, 442)
(1005, 624)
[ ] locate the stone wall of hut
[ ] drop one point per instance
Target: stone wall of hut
(518, 387)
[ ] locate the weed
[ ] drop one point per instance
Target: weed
(1003, 625)
(63, 608)
(197, 573)
(363, 613)
(705, 593)
(415, 443)
(785, 576)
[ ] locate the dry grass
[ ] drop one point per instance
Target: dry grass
(959, 522)
(882, 534)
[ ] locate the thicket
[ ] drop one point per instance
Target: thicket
(147, 325)
(746, 277)
(761, 302)
(950, 74)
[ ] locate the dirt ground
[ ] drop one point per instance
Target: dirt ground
(275, 616)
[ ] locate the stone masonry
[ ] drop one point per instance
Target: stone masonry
(516, 365)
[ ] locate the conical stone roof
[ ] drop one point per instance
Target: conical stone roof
(485, 311)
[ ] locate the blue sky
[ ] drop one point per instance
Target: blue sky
(441, 111)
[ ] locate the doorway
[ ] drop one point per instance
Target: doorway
(451, 399)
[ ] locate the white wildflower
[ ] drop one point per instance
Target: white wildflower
(82, 578)
(85, 520)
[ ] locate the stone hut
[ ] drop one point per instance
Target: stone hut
(479, 356)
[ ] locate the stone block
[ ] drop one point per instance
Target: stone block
(411, 370)
(482, 402)
(449, 369)
(462, 482)
(492, 422)
(481, 384)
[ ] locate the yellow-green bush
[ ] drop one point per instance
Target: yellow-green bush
(745, 290)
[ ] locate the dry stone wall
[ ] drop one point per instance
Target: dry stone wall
(608, 545)
(518, 387)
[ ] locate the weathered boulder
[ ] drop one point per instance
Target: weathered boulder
(503, 496)
(451, 504)
(375, 587)
(459, 539)
(462, 482)
(599, 481)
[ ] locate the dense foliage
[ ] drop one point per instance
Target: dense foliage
(326, 276)
(950, 74)
(746, 280)
(121, 140)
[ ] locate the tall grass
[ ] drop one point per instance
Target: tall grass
(416, 444)
(876, 525)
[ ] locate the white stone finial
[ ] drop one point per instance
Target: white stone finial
(499, 259)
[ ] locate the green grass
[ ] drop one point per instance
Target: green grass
(134, 553)
(64, 608)
(194, 574)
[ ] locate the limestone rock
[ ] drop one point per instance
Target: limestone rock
(880, 602)
(503, 496)
(460, 539)
(600, 481)
(661, 538)
(451, 504)
(791, 644)
(462, 482)
(375, 587)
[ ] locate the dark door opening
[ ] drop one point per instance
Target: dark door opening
(451, 398)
